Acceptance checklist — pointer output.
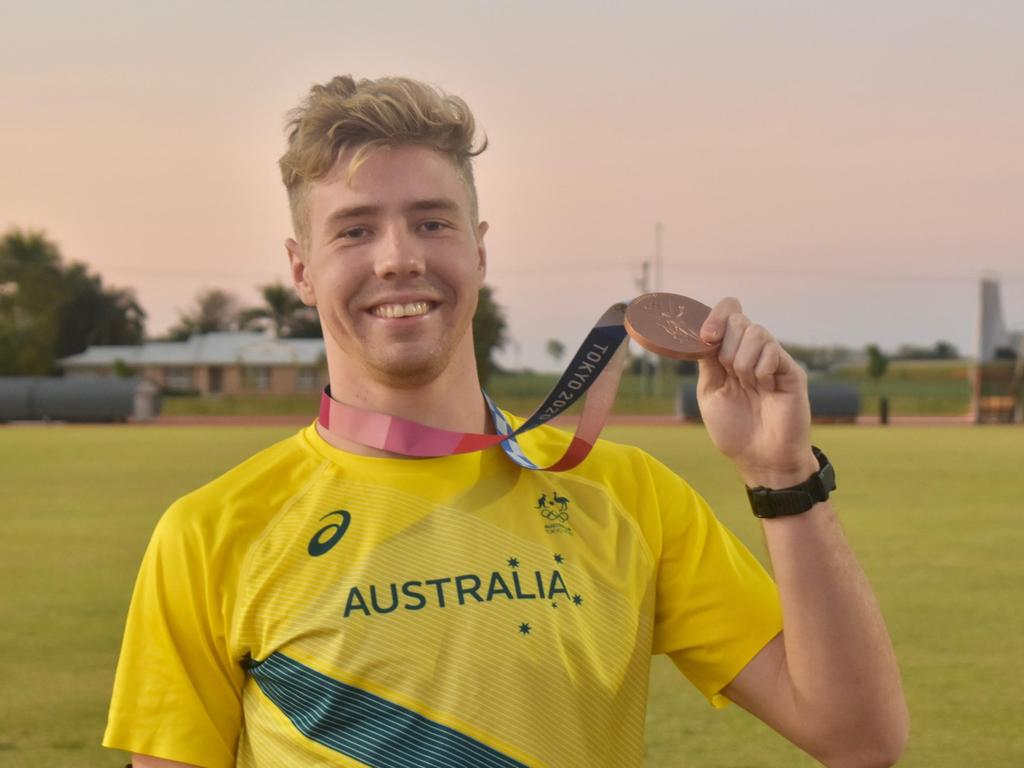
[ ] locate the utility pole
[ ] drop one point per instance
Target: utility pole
(647, 366)
(658, 285)
(653, 368)
(657, 377)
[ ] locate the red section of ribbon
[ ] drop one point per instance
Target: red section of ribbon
(471, 442)
(574, 454)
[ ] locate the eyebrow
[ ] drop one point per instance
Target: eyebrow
(354, 211)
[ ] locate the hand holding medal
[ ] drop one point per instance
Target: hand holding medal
(753, 400)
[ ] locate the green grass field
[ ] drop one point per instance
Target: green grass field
(933, 512)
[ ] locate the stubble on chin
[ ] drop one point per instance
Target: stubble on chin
(408, 371)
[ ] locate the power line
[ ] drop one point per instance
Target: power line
(732, 269)
(182, 273)
(802, 273)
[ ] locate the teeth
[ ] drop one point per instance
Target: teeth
(402, 310)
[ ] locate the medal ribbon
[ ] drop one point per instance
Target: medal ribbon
(595, 369)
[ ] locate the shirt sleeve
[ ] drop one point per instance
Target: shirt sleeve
(177, 691)
(716, 605)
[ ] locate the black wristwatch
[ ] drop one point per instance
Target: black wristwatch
(771, 502)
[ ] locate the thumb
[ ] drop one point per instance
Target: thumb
(711, 373)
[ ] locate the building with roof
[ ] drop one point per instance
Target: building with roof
(213, 364)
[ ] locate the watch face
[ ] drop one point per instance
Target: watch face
(828, 478)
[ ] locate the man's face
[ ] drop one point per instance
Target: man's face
(394, 265)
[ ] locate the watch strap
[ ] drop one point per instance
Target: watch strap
(768, 503)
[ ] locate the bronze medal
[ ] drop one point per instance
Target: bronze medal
(669, 325)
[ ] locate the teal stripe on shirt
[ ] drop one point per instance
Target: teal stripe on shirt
(365, 726)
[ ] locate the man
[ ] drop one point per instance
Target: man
(331, 603)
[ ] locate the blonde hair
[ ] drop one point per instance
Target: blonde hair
(368, 115)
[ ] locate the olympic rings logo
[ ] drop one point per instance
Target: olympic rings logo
(554, 514)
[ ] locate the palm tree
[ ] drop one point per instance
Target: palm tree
(489, 333)
(214, 310)
(283, 311)
(556, 350)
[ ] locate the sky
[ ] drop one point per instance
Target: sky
(847, 170)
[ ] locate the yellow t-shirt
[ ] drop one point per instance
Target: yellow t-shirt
(314, 607)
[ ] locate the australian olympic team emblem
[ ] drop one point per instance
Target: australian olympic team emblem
(556, 511)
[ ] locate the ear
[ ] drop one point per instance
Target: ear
(481, 249)
(300, 273)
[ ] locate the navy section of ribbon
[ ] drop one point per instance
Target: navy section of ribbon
(590, 360)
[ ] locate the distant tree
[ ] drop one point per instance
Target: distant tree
(945, 351)
(489, 335)
(878, 363)
(50, 310)
(213, 310)
(942, 350)
(282, 310)
(555, 349)
(91, 314)
(122, 369)
(30, 271)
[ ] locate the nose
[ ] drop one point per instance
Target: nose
(398, 255)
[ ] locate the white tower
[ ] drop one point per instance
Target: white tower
(991, 330)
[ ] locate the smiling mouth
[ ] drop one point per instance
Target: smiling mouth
(413, 309)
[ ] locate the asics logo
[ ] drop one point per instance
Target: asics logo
(324, 539)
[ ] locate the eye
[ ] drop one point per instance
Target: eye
(434, 226)
(355, 233)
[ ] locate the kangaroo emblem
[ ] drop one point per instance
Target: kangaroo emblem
(554, 510)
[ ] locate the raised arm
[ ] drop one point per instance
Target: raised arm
(830, 682)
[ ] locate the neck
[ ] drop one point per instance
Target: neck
(449, 401)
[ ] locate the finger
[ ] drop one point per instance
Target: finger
(768, 366)
(755, 339)
(714, 325)
(735, 326)
(789, 374)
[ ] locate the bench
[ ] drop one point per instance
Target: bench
(998, 409)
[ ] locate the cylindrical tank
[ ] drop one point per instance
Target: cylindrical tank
(15, 397)
(830, 401)
(77, 398)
